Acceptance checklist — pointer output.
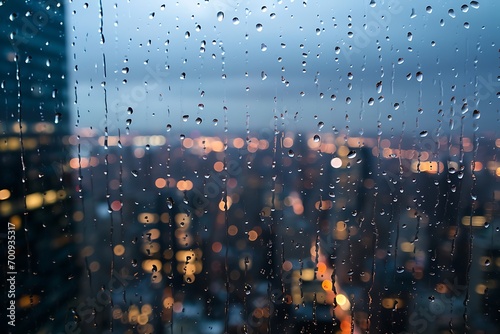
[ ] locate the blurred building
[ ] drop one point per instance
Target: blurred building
(35, 187)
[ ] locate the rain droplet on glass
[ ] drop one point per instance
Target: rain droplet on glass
(419, 76)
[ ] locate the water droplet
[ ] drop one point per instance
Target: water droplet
(125, 70)
(258, 26)
(400, 270)
(58, 117)
(134, 262)
(220, 16)
(198, 120)
(316, 138)
(185, 118)
(373, 3)
(170, 203)
(129, 121)
(487, 262)
(263, 47)
(291, 154)
(130, 111)
(134, 173)
(428, 9)
(409, 36)
(419, 76)
(236, 21)
(476, 114)
(187, 34)
(466, 25)
(474, 4)
(352, 154)
(201, 106)
(169, 127)
(424, 134)
(451, 12)
(464, 8)
(465, 108)
(183, 76)
(263, 75)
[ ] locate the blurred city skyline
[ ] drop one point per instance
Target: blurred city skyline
(251, 166)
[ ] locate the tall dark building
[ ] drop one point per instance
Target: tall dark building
(38, 249)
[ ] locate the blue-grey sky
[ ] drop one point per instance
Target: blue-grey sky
(307, 51)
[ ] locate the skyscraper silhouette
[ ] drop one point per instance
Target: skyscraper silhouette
(35, 190)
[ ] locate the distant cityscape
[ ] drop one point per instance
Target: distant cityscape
(273, 231)
(316, 226)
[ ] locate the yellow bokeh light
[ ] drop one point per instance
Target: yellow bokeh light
(252, 235)
(187, 143)
(184, 185)
(4, 194)
(287, 142)
(238, 142)
(160, 183)
(222, 204)
(34, 201)
(27, 301)
(119, 250)
(168, 302)
(219, 166)
(327, 285)
(232, 230)
(336, 162)
(151, 265)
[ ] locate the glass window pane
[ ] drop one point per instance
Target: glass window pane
(231, 166)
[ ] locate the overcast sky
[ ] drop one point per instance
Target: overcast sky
(289, 59)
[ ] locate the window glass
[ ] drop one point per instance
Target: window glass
(231, 166)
